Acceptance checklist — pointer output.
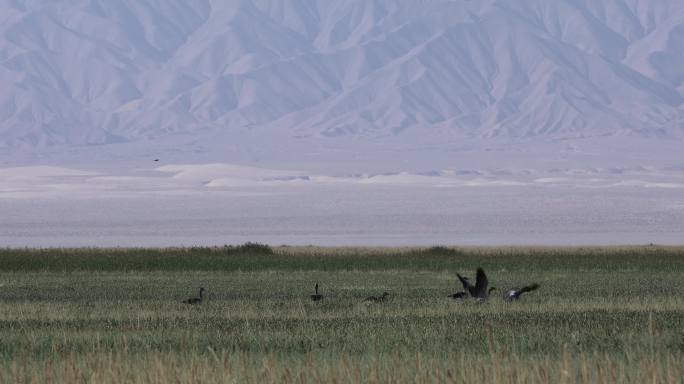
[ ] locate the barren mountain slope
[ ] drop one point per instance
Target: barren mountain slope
(82, 72)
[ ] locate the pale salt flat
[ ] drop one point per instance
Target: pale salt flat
(183, 205)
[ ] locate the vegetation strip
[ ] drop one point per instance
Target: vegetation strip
(108, 316)
(256, 257)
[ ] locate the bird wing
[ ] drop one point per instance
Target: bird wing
(481, 282)
(529, 288)
(466, 285)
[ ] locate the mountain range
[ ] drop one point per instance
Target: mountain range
(79, 73)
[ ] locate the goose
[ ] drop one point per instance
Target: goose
(195, 300)
(316, 296)
(515, 293)
(376, 299)
(479, 290)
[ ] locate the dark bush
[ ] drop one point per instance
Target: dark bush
(440, 250)
(252, 249)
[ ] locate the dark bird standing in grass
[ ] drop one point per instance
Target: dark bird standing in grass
(376, 299)
(316, 296)
(479, 291)
(195, 300)
(515, 293)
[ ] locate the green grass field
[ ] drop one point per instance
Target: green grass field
(114, 315)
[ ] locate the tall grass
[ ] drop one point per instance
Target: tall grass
(242, 368)
(101, 315)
